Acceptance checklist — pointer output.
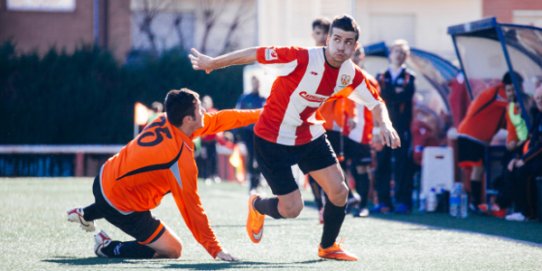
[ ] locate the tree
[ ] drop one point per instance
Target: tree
(150, 10)
(242, 15)
(211, 9)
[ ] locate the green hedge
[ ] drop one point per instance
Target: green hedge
(88, 98)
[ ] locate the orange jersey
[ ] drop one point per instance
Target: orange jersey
(160, 160)
(338, 111)
(486, 115)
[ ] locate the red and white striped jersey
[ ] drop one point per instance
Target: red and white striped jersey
(363, 131)
(306, 81)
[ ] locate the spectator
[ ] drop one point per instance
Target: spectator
(252, 100)
(397, 90)
(156, 109)
(208, 147)
(320, 30)
(485, 116)
(522, 169)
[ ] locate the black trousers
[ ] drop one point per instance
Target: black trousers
(247, 136)
(399, 163)
(518, 187)
(209, 168)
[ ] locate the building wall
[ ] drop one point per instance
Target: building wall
(65, 30)
(288, 22)
(504, 11)
(118, 25)
(423, 22)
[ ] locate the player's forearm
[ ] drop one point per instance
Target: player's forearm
(240, 57)
(380, 115)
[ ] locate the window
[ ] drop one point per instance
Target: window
(528, 17)
(41, 5)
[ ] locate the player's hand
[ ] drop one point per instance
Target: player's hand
(376, 143)
(389, 136)
(200, 61)
(511, 164)
(520, 163)
(225, 256)
(511, 145)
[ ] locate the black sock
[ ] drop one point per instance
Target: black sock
(91, 213)
(132, 250)
(333, 220)
(362, 186)
(476, 192)
(268, 206)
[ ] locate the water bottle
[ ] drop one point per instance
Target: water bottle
(415, 199)
(455, 200)
(432, 200)
(464, 204)
(423, 203)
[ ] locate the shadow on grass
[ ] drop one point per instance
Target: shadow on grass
(85, 261)
(241, 265)
(530, 232)
(218, 265)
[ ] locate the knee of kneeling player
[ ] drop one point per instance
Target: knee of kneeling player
(174, 252)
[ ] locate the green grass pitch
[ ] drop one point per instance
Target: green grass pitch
(35, 235)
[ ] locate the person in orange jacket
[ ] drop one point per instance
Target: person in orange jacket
(485, 116)
(159, 161)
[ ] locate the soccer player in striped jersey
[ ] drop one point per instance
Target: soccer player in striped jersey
(159, 161)
(289, 132)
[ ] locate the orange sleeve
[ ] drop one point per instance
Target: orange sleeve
(224, 120)
(189, 204)
(350, 109)
(344, 110)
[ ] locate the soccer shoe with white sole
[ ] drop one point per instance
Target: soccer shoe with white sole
(516, 217)
(335, 252)
(101, 240)
(76, 216)
(255, 221)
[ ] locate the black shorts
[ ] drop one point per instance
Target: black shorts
(140, 225)
(275, 161)
(358, 153)
(469, 152)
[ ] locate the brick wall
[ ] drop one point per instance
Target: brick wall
(41, 30)
(502, 9)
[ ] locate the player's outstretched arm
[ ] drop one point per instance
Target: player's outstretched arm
(208, 64)
(388, 134)
(225, 256)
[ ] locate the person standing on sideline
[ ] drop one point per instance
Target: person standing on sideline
(289, 132)
(360, 137)
(208, 147)
(251, 101)
(397, 89)
(489, 108)
(320, 31)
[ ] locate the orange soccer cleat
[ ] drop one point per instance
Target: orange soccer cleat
(255, 221)
(335, 252)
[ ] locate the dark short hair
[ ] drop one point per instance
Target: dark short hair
(179, 104)
(322, 23)
(345, 23)
(507, 78)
